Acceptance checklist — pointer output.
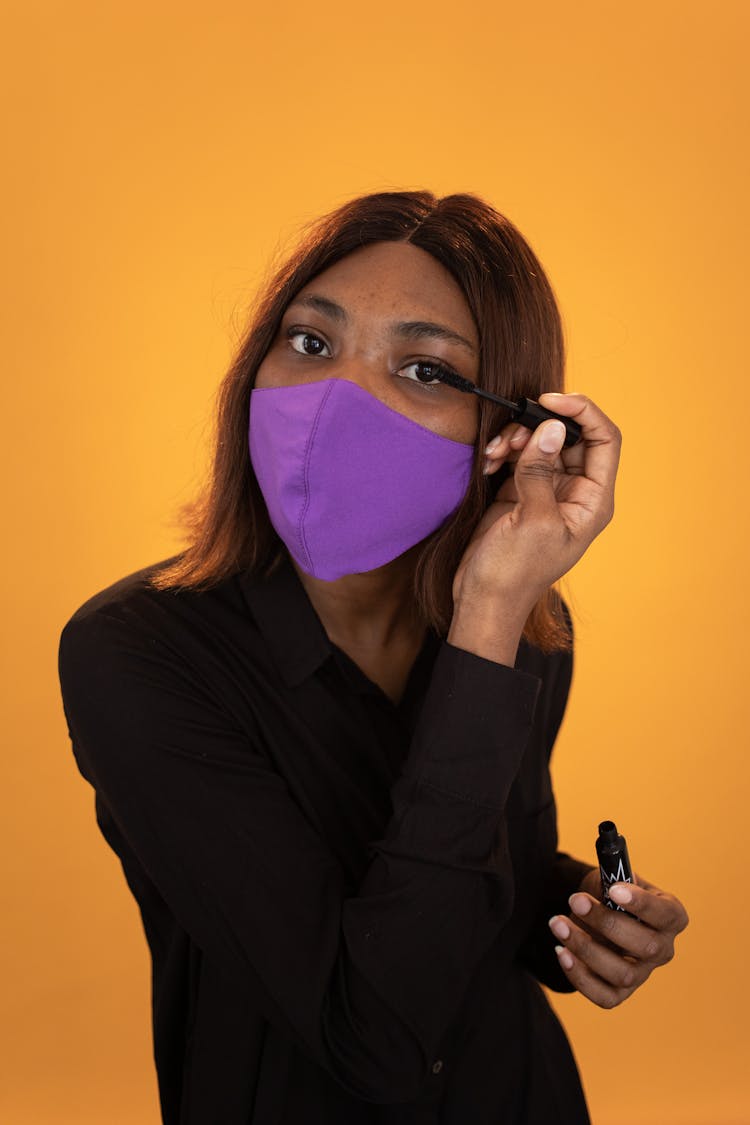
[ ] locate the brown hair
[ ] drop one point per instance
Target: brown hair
(521, 353)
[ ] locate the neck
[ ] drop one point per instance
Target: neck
(372, 611)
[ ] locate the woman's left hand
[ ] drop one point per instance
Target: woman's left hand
(605, 954)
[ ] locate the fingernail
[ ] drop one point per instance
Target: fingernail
(566, 959)
(520, 435)
(493, 445)
(551, 437)
(487, 467)
(559, 927)
(579, 904)
(620, 893)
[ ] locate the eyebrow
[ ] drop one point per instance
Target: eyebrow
(408, 329)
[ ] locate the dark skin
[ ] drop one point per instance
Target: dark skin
(348, 323)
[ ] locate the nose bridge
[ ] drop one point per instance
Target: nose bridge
(366, 364)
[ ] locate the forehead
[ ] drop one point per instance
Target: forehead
(395, 279)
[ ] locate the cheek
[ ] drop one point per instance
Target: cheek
(262, 375)
(270, 373)
(280, 369)
(459, 423)
(465, 421)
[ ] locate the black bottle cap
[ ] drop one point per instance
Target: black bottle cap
(608, 832)
(530, 413)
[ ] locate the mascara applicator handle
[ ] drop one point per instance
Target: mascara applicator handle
(530, 414)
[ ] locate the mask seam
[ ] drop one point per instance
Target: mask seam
(305, 476)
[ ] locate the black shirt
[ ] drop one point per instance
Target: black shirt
(345, 899)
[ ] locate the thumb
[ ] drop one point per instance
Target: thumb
(535, 467)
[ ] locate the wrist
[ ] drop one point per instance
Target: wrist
(487, 628)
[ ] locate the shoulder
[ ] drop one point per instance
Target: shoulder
(134, 599)
(127, 606)
(112, 625)
(133, 616)
(119, 595)
(132, 653)
(131, 638)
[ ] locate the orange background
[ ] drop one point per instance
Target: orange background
(159, 154)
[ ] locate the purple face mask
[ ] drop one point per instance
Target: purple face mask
(349, 483)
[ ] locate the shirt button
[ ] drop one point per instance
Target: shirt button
(437, 1066)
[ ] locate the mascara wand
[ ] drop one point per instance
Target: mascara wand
(526, 411)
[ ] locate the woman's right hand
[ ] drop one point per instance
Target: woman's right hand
(544, 516)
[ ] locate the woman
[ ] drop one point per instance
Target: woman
(319, 737)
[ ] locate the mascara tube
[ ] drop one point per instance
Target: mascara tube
(614, 862)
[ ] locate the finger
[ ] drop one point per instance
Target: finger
(641, 940)
(600, 436)
(500, 456)
(599, 937)
(535, 468)
(657, 908)
(519, 437)
(496, 460)
(607, 963)
(511, 436)
(588, 983)
(504, 447)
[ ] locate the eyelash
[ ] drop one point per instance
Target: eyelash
(442, 368)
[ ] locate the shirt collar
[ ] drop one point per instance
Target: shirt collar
(291, 628)
(294, 633)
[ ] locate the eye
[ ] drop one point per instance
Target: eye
(424, 371)
(309, 342)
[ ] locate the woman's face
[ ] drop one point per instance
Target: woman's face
(380, 317)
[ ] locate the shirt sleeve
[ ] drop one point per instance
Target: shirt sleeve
(365, 984)
(565, 873)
